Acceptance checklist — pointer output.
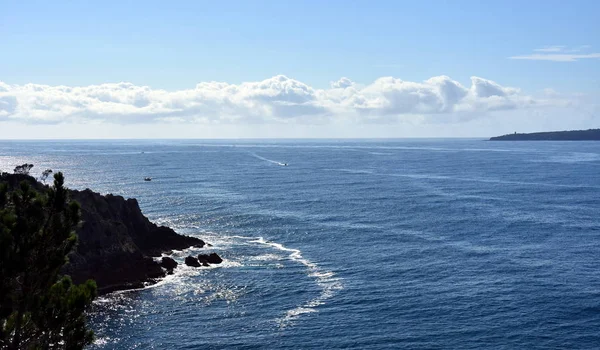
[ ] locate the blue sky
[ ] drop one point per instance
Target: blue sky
(174, 46)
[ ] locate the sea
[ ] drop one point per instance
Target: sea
(353, 244)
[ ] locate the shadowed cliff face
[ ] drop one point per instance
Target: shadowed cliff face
(116, 241)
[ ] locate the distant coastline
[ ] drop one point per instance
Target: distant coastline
(571, 135)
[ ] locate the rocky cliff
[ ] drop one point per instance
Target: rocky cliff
(116, 241)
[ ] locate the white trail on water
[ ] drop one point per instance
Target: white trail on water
(267, 159)
(326, 280)
(329, 283)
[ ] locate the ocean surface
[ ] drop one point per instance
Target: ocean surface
(355, 244)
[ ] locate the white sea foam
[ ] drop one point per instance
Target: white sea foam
(178, 282)
(298, 311)
(265, 257)
(101, 341)
(325, 279)
(179, 275)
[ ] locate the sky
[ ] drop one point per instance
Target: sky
(278, 69)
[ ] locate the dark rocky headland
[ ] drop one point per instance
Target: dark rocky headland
(116, 242)
(571, 135)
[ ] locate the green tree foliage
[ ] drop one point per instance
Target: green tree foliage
(38, 308)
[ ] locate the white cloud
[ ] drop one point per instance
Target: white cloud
(275, 100)
(579, 48)
(555, 48)
(558, 53)
(556, 57)
(342, 83)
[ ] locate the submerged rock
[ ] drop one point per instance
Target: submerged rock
(212, 258)
(191, 261)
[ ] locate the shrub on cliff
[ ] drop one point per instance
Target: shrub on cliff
(38, 308)
(23, 169)
(45, 175)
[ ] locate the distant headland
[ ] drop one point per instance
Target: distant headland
(571, 135)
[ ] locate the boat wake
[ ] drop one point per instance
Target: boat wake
(267, 159)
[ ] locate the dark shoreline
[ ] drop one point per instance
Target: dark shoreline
(116, 243)
(571, 135)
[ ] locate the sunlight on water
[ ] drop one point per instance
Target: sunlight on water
(355, 244)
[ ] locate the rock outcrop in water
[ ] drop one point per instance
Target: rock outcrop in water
(168, 263)
(191, 261)
(117, 242)
(212, 258)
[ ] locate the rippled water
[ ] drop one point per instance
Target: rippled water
(354, 244)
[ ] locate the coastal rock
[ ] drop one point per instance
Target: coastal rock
(212, 258)
(191, 261)
(116, 242)
(168, 263)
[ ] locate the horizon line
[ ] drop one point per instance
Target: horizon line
(249, 138)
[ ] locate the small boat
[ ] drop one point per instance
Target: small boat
(147, 179)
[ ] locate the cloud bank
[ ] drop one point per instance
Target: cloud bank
(275, 100)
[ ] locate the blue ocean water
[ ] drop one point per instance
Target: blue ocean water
(370, 244)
